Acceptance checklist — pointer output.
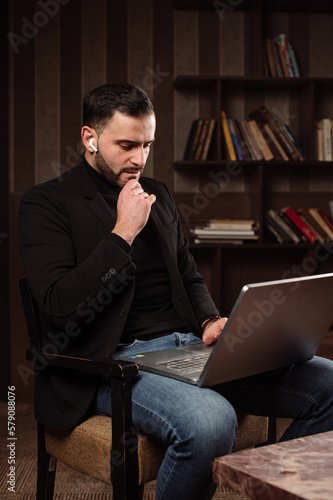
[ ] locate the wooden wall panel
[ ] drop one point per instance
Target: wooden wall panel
(140, 54)
(116, 41)
(232, 44)
(163, 34)
(47, 101)
(320, 36)
(22, 110)
(70, 86)
(93, 15)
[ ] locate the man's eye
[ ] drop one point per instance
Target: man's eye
(125, 147)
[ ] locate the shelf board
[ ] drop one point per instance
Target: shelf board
(183, 164)
(268, 6)
(187, 81)
(299, 6)
(209, 5)
(254, 246)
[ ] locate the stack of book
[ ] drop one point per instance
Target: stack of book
(280, 58)
(199, 139)
(305, 225)
(227, 231)
(263, 137)
(324, 139)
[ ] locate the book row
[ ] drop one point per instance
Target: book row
(280, 58)
(199, 139)
(263, 137)
(324, 139)
(298, 226)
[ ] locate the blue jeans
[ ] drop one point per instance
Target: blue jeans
(200, 424)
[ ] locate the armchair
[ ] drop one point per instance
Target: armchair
(108, 449)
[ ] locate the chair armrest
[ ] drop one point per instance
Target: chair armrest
(115, 368)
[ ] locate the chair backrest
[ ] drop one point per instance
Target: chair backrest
(31, 313)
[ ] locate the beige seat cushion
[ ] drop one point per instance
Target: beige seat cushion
(87, 448)
(252, 431)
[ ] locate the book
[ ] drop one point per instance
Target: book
(208, 139)
(276, 127)
(281, 153)
(266, 152)
(323, 221)
(202, 139)
(292, 138)
(281, 227)
(326, 220)
(257, 116)
(270, 57)
(316, 222)
(280, 44)
(300, 224)
(293, 228)
(271, 232)
(293, 60)
(229, 147)
(231, 223)
(319, 140)
(244, 146)
(215, 233)
(192, 139)
(235, 140)
(327, 139)
(313, 224)
(254, 147)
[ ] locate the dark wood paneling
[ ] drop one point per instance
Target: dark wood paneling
(23, 95)
(70, 85)
(116, 40)
(4, 188)
(163, 92)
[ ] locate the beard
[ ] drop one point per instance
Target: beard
(108, 173)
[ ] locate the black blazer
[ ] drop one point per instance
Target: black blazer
(83, 279)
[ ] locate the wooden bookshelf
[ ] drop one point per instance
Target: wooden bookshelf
(259, 185)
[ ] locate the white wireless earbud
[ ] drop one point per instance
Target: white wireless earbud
(91, 144)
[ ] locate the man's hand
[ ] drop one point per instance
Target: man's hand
(213, 330)
(133, 210)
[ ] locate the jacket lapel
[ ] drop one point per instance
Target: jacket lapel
(94, 198)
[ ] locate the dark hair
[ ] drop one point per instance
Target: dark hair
(100, 104)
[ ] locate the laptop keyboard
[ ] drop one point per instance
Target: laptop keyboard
(189, 364)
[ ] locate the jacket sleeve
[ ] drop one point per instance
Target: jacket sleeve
(60, 281)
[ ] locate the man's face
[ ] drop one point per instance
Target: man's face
(123, 147)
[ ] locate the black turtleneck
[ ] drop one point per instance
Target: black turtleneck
(151, 314)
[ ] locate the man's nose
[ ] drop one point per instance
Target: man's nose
(139, 158)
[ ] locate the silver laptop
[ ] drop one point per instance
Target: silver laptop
(272, 325)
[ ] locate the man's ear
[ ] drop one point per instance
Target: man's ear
(89, 139)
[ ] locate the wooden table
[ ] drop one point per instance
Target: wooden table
(297, 469)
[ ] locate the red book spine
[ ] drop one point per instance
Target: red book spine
(300, 224)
